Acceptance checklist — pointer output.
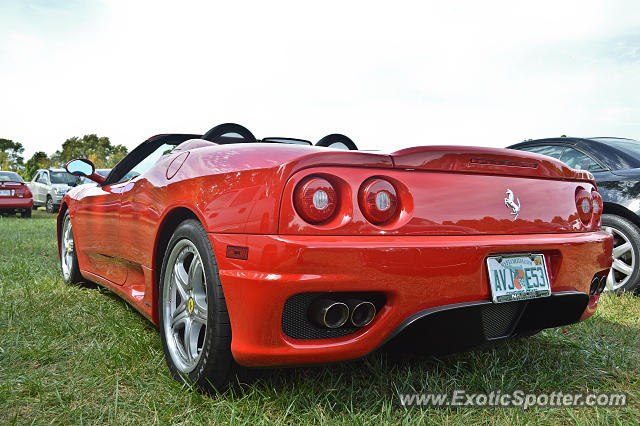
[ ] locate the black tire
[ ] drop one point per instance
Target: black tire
(73, 276)
(26, 213)
(215, 368)
(630, 231)
(49, 205)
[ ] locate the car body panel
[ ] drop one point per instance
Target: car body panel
(97, 218)
(433, 255)
(621, 188)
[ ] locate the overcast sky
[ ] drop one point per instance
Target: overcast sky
(387, 74)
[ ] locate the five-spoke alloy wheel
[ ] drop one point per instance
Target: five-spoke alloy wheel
(625, 270)
(185, 305)
(194, 323)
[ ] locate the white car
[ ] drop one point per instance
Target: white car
(48, 186)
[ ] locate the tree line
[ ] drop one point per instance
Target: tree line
(98, 149)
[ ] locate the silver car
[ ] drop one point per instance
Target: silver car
(49, 186)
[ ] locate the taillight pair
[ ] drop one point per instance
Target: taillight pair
(589, 205)
(316, 200)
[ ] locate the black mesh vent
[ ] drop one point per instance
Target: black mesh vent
(296, 324)
(498, 319)
(454, 328)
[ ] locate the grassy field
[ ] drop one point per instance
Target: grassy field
(79, 354)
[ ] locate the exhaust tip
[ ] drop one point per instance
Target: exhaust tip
(362, 312)
(329, 313)
(603, 283)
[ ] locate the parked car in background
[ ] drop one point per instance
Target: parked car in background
(615, 164)
(257, 253)
(15, 195)
(101, 172)
(49, 186)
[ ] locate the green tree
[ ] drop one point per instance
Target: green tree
(38, 160)
(97, 149)
(11, 155)
(118, 153)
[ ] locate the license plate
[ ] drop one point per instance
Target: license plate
(5, 192)
(518, 277)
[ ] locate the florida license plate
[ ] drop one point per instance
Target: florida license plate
(5, 192)
(518, 277)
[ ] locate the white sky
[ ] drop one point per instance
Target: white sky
(387, 74)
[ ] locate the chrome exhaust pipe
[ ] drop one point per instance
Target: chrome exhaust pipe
(362, 312)
(328, 313)
(603, 283)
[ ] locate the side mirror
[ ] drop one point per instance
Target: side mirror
(83, 168)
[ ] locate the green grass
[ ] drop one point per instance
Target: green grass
(79, 354)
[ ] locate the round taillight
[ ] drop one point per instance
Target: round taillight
(584, 203)
(378, 201)
(315, 199)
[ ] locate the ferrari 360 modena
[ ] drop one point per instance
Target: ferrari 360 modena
(273, 252)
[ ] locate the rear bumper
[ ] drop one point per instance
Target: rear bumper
(416, 275)
(15, 203)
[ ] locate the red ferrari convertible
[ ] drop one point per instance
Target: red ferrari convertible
(269, 252)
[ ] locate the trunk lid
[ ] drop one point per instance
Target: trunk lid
(10, 188)
(448, 202)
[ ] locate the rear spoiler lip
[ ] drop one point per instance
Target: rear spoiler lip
(468, 159)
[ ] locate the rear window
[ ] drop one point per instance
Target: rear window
(577, 160)
(5, 176)
(554, 151)
(629, 146)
